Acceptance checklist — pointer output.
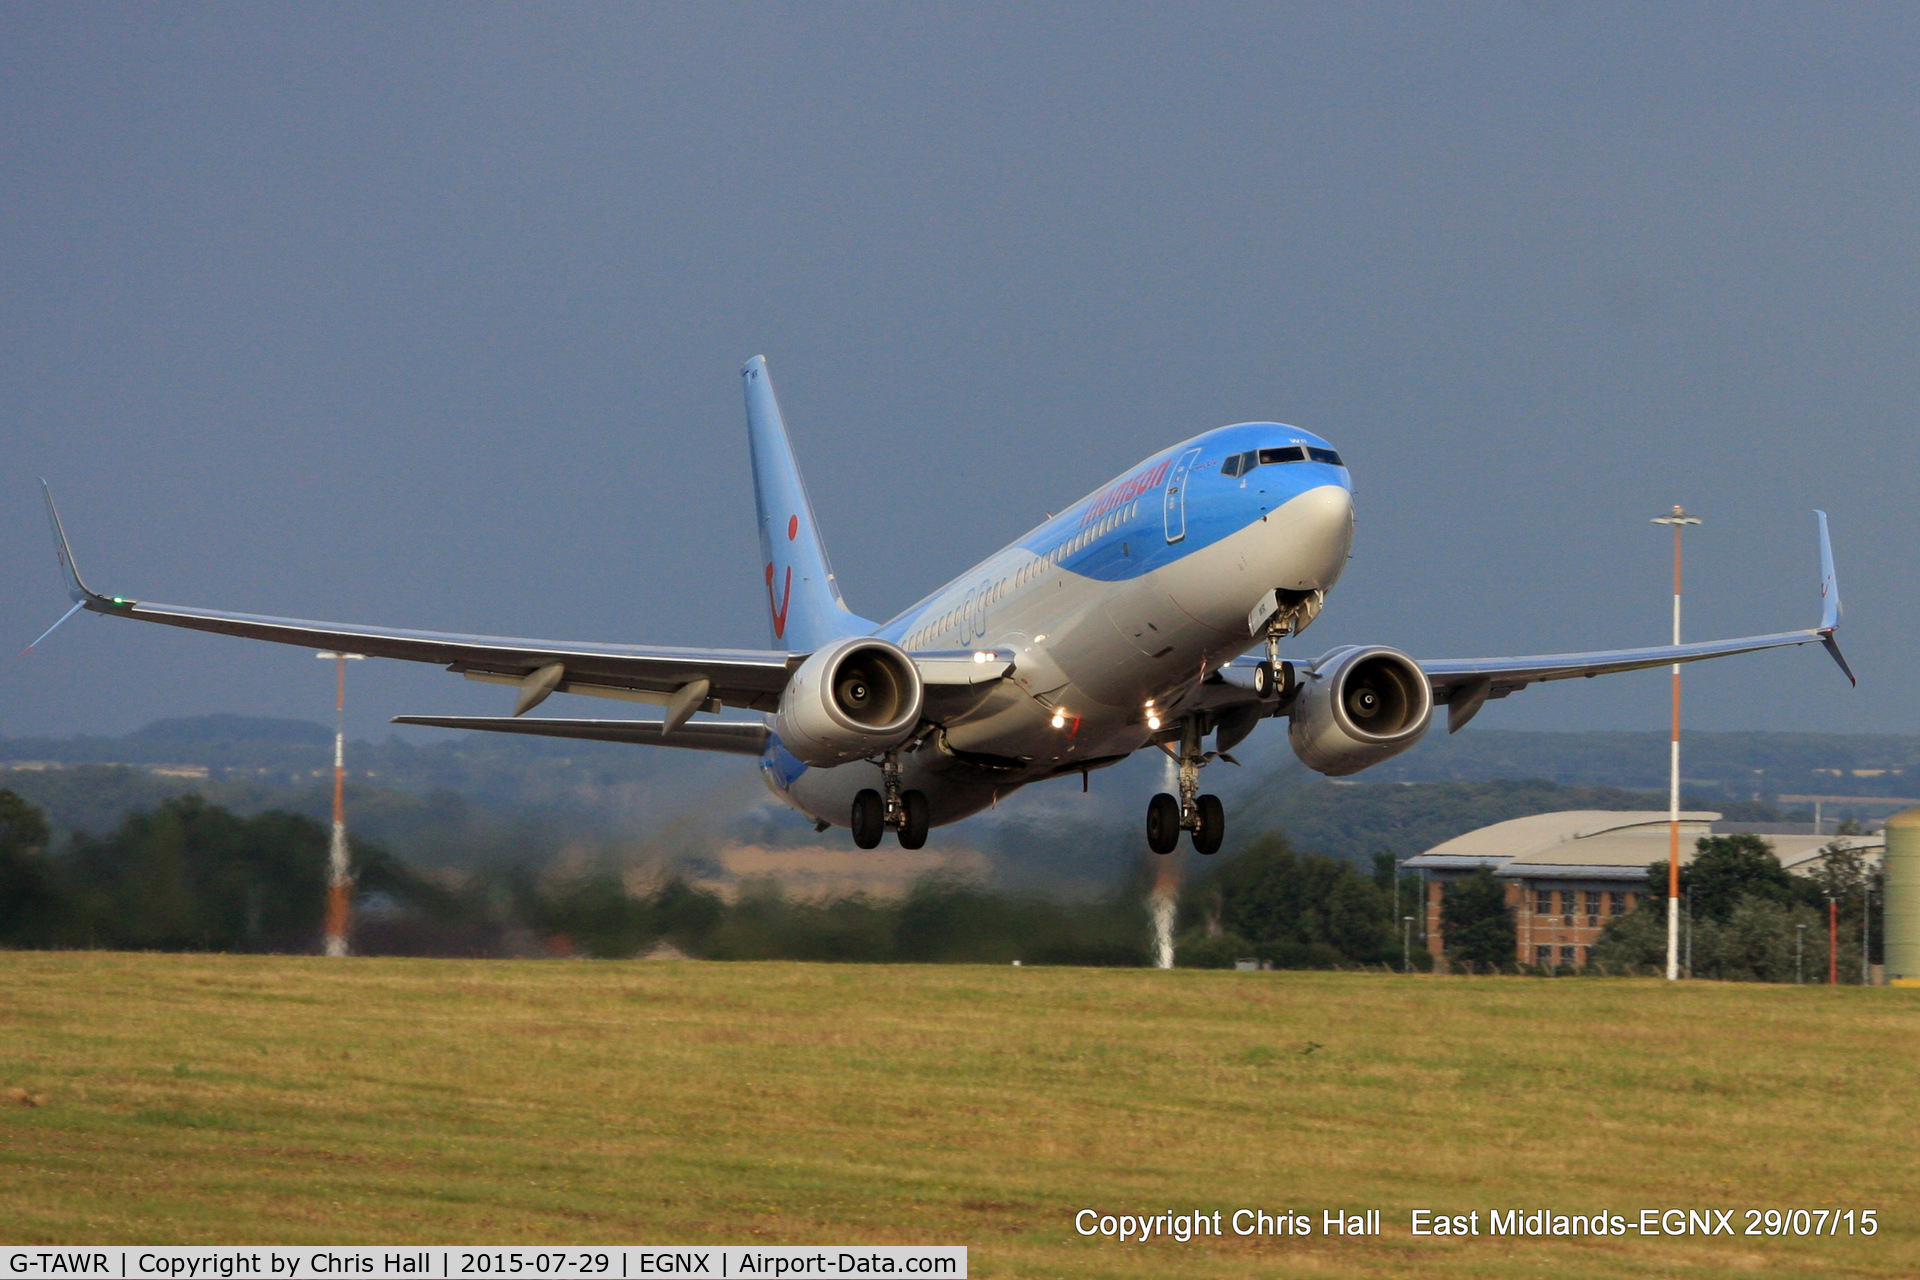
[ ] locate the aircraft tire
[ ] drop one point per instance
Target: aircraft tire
(869, 818)
(913, 828)
(1163, 823)
(1213, 825)
(1264, 685)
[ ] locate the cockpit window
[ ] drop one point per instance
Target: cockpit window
(1231, 467)
(1292, 453)
(1327, 456)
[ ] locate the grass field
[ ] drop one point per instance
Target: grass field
(285, 1100)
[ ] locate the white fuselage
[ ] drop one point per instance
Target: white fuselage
(1115, 611)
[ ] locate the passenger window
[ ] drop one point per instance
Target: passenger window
(1231, 467)
(1291, 453)
(1327, 456)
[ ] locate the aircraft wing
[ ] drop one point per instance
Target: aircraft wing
(687, 680)
(1464, 685)
(684, 680)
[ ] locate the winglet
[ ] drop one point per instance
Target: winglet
(76, 590)
(1830, 600)
(1829, 587)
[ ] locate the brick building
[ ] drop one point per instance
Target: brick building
(1568, 874)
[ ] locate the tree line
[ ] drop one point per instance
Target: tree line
(1748, 919)
(187, 875)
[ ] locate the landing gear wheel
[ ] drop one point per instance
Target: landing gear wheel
(1273, 680)
(913, 819)
(869, 818)
(1213, 825)
(1163, 823)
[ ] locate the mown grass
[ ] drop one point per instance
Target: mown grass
(245, 1099)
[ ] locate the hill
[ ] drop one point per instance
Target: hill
(274, 1100)
(1718, 766)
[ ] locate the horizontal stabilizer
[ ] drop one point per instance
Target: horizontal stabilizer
(738, 737)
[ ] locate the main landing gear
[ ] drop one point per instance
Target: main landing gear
(1204, 816)
(875, 813)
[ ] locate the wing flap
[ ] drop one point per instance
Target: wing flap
(733, 737)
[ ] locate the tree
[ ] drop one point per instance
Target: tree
(1475, 922)
(32, 912)
(1760, 942)
(192, 876)
(1636, 943)
(1840, 872)
(1724, 870)
(1301, 911)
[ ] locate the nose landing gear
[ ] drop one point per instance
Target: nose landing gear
(904, 812)
(1202, 815)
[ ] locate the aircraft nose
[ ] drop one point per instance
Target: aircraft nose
(1316, 533)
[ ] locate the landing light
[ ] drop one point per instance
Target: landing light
(981, 655)
(1153, 721)
(1059, 717)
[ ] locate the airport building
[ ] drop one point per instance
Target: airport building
(1568, 874)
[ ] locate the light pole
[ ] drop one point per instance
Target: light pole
(1866, 932)
(1800, 957)
(1406, 944)
(1833, 941)
(339, 874)
(1679, 519)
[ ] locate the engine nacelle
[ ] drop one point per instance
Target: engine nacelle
(1359, 708)
(854, 698)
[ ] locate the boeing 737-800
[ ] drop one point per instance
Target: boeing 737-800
(1148, 614)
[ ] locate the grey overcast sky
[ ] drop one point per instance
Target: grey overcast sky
(431, 315)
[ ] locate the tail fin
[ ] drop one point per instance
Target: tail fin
(803, 600)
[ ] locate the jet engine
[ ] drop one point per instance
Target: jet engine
(1359, 707)
(854, 698)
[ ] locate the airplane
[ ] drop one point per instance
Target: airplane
(1149, 614)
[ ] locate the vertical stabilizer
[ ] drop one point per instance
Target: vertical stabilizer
(804, 608)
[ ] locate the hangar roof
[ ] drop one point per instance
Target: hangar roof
(1592, 844)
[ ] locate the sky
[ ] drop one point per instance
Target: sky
(432, 316)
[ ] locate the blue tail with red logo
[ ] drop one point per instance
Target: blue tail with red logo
(804, 608)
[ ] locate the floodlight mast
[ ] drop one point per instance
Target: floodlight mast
(1679, 519)
(339, 874)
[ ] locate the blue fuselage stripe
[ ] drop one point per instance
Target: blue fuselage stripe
(1124, 530)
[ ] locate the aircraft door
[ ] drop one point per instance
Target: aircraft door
(1174, 503)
